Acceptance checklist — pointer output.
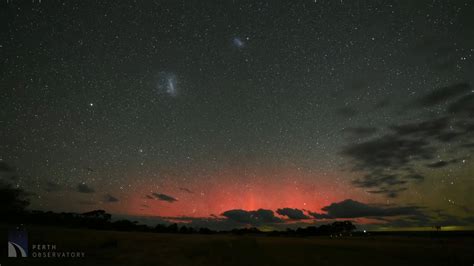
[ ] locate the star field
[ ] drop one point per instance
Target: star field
(191, 108)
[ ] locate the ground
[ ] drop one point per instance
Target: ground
(131, 248)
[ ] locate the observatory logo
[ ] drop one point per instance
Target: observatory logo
(17, 243)
(18, 248)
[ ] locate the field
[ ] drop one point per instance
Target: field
(130, 248)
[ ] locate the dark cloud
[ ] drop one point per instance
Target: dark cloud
(468, 146)
(353, 209)
(52, 187)
(13, 178)
(387, 161)
(186, 190)
(450, 136)
(258, 217)
(8, 173)
(437, 219)
(465, 106)
(391, 216)
(87, 202)
(346, 112)
(294, 214)
(377, 180)
(361, 132)
(467, 126)
(414, 176)
(389, 151)
(164, 197)
(428, 128)
(441, 164)
(88, 169)
(442, 95)
(4, 167)
(110, 199)
(382, 104)
(388, 191)
(84, 188)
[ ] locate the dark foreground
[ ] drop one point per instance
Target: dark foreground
(131, 248)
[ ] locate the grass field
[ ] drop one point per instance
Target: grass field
(131, 248)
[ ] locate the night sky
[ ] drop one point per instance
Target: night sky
(207, 111)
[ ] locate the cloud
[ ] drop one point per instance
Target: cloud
(87, 202)
(382, 104)
(435, 219)
(52, 187)
(346, 112)
(388, 152)
(389, 192)
(440, 164)
(84, 188)
(388, 161)
(164, 197)
(388, 184)
(8, 173)
(110, 199)
(444, 94)
(4, 167)
(361, 132)
(294, 214)
(353, 209)
(258, 217)
(186, 190)
(464, 106)
(428, 128)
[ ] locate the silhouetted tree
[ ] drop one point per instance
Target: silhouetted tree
(97, 219)
(124, 225)
(173, 228)
(185, 230)
(160, 228)
(243, 231)
(98, 214)
(13, 200)
(205, 231)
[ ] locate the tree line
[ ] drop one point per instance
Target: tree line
(14, 203)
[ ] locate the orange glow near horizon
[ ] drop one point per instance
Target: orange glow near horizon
(224, 191)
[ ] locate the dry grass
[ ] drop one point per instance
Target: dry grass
(129, 248)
